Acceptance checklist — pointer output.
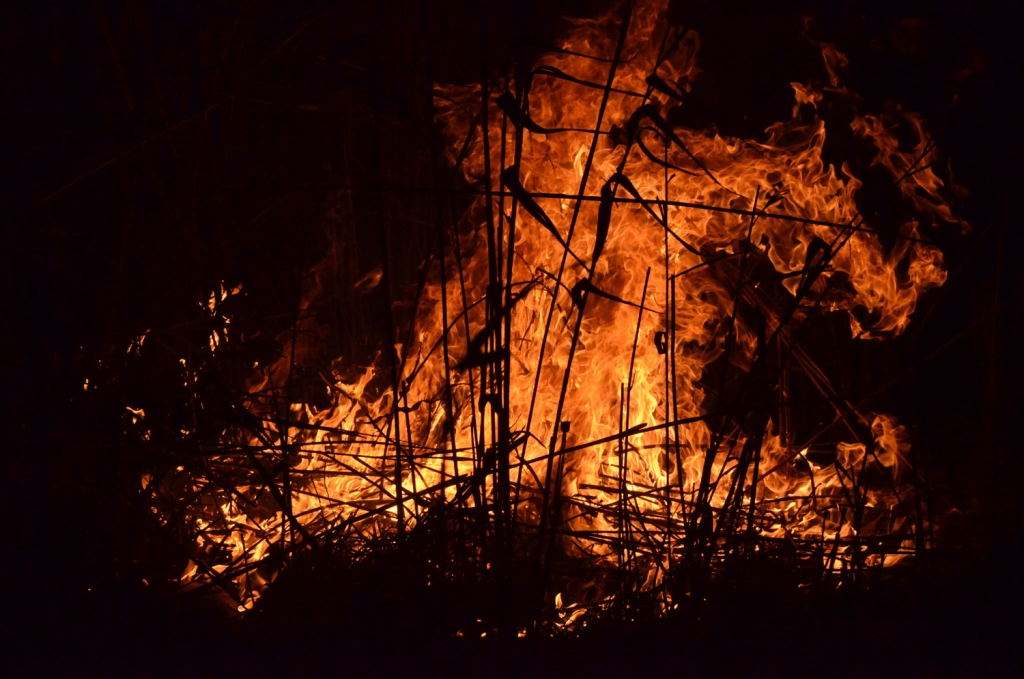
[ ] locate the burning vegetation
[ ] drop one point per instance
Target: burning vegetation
(612, 387)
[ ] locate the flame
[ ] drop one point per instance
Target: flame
(613, 439)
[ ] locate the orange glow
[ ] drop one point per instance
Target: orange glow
(653, 321)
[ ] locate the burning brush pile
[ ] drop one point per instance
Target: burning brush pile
(614, 387)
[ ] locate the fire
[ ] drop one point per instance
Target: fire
(599, 363)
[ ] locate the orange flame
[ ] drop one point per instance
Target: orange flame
(693, 213)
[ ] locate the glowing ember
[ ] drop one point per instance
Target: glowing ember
(598, 366)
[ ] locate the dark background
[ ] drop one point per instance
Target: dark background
(154, 149)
